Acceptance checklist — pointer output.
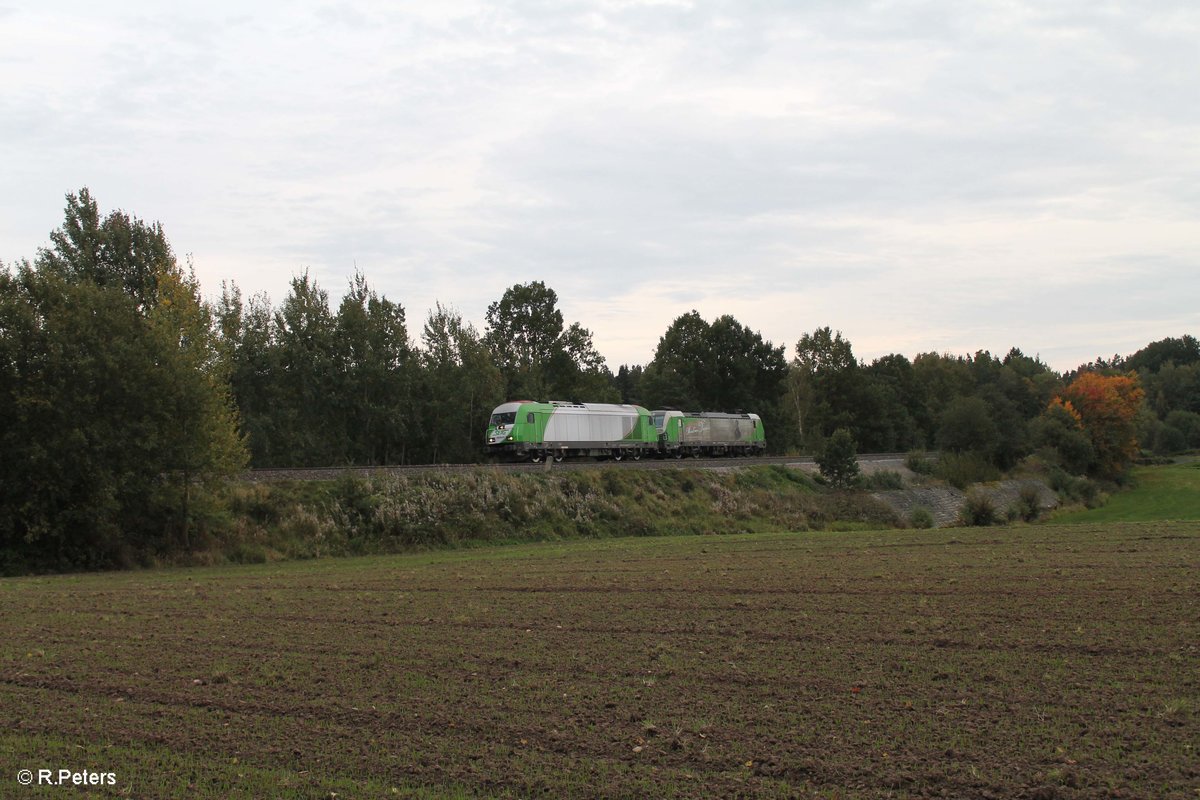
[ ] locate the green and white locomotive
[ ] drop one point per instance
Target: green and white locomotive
(709, 433)
(559, 430)
(534, 431)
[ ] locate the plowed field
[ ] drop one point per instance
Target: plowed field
(1036, 662)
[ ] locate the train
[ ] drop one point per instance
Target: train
(524, 430)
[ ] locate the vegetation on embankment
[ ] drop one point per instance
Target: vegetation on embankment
(1158, 493)
(395, 513)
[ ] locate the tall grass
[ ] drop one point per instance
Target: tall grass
(385, 514)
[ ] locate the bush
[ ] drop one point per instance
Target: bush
(919, 462)
(961, 470)
(1075, 488)
(881, 480)
(1029, 503)
(978, 511)
(920, 517)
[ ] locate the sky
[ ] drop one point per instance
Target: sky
(922, 176)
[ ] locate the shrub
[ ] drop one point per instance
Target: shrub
(978, 511)
(881, 480)
(961, 470)
(1075, 488)
(1029, 505)
(919, 462)
(920, 517)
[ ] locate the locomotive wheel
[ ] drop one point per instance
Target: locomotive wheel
(679, 453)
(617, 455)
(535, 457)
(637, 455)
(558, 457)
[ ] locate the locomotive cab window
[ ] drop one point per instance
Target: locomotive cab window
(504, 419)
(529, 417)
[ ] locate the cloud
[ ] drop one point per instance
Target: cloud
(922, 175)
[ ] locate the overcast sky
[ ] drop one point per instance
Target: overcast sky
(923, 176)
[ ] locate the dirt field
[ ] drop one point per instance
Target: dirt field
(1035, 662)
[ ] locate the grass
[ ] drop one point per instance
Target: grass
(439, 510)
(1051, 661)
(1159, 493)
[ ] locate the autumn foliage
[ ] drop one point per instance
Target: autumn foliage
(1106, 407)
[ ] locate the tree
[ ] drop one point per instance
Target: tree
(1107, 406)
(829, 390)
(628, 381)
(539, 358)
(459, 387)
(1151, 358)
(838, 460)
(201, 440)
(1059, 430)
(307, 399)
(967, 427)
(373, 377)
(903, 409)
(723, 366)
(120, 252)
(114, 397)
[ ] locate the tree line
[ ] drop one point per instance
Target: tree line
(125, 395)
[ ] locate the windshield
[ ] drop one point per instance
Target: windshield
(503, 419)
(658, 421)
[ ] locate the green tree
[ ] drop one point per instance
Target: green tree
(201, 441)
(539, 357)
(830, 390)
(307, 397)
(1151, 358)
(1058, 434)
(722, 366)
(114, 396)
(374, 377)
(628, 381)
(248, 347)
(838, 459)
(459, 387)
(119, 251)
(967, 427)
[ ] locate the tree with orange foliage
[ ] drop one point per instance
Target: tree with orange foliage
(1106, 406)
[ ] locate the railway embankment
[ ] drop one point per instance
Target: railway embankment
(388, 512)
(399, 512)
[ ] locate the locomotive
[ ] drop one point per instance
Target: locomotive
(535, 431)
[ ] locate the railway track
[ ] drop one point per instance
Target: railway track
(331, 473)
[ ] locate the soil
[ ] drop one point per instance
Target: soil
(1029, 662)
